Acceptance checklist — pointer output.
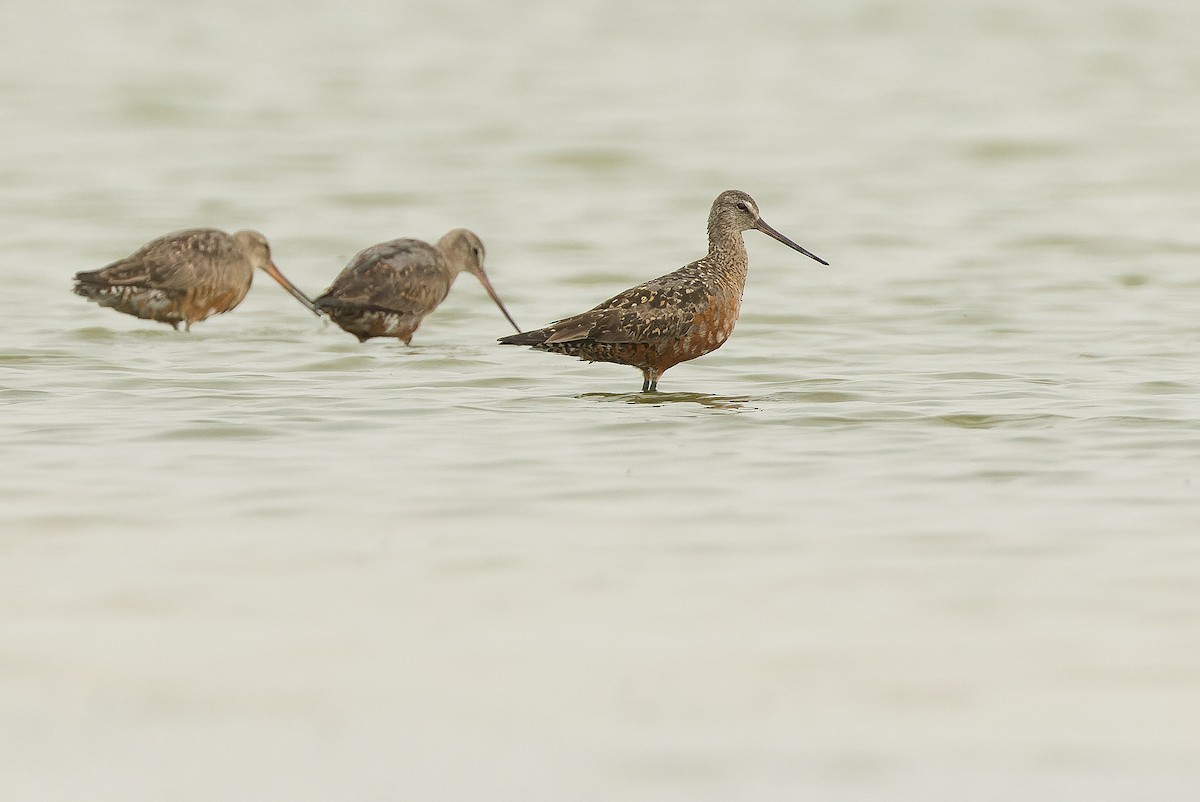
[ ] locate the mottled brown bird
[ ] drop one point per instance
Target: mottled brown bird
(184, 277)
(386, 290)
(673, 318)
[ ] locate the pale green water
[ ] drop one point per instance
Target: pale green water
(927, 527)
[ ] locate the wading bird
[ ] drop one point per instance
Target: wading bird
(388, 289)
(673, 318)
(184, 277)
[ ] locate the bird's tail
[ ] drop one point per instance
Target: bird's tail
(91, 284)
(537, 337)
(325, 304)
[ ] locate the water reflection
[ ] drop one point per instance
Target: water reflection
(724, 402)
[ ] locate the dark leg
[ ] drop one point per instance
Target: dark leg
(650, 380)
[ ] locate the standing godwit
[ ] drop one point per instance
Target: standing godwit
(673, 318)
(184, 277)
(386, 290)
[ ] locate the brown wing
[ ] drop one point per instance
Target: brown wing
(659, 310)
(634, 325)
(405, 276)
(178, 261)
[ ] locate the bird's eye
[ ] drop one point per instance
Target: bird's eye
(742, 206)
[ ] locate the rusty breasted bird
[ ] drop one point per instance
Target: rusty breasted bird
(184, 277)
(673, 318)
(388, 289)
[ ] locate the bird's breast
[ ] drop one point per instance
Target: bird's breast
(711, 325)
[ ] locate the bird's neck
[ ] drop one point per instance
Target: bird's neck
(727, 250)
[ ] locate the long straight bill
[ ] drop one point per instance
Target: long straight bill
(762, 226)
(273, 271)
(487, 285)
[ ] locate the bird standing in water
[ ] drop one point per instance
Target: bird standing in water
(388, 289)
(184, 277)
(673, 318)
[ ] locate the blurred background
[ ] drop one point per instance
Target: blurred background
(924, 528)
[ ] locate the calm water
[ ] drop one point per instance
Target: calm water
(927, 527)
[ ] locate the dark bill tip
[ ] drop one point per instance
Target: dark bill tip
(292, 289)
(762, 226)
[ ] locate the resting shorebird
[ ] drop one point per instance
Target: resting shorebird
(673, 318)
(184, 277)
(388, 289)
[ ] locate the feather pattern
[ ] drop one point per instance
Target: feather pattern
(183, 277)
(388, 289)
(670, 319)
